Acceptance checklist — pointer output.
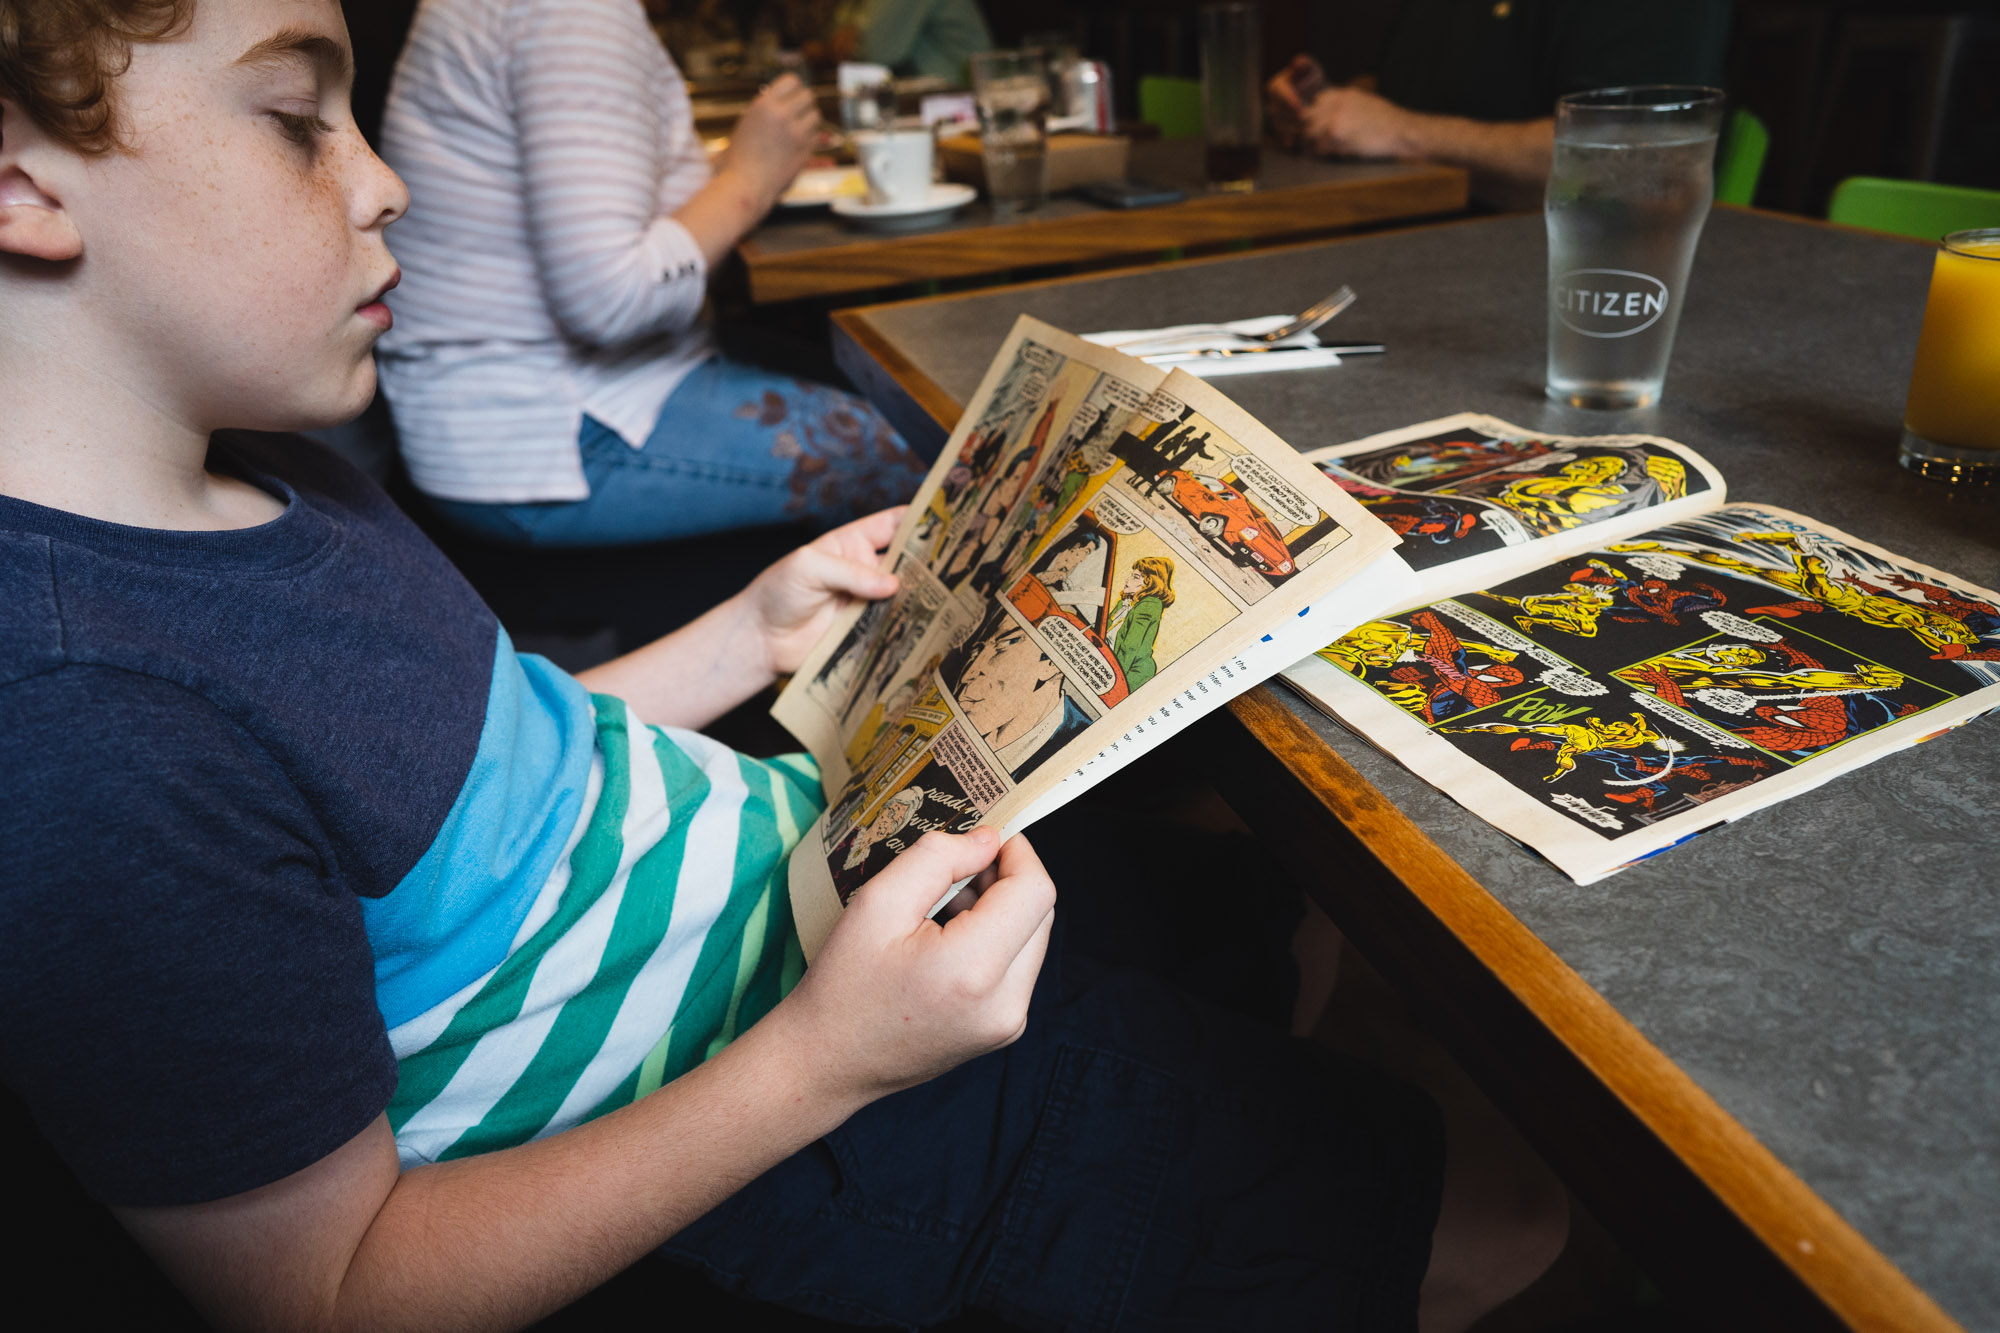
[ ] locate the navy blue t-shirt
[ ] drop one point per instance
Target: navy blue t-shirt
(213, 745)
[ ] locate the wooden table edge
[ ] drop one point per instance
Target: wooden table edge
(1828, 1256)
(800, 274)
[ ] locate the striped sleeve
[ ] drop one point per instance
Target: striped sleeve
(585, 81)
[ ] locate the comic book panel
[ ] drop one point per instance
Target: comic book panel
(1016, 690)
(1248, 526)
(1605, 763)
(1436, 529)
(1450, 455)
(898, 734)
(1602, 611)
(1435, 665)
(1586, 481)
(1786, 692)
(1068, 470)
(873, 652)
(933, 797)
(1004, 492)
(1108, 588)
(1922, 624)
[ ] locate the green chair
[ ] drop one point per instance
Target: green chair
(1739, 159)
(1912, 208)
(1174, 105)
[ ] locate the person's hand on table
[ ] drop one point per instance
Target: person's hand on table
(894, 999)
(772, 141)
(791, 603)
(1353, 122)
(1288, 94)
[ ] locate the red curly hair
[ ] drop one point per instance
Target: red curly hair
(58, 59)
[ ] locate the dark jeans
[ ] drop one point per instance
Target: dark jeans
(1140, 1160)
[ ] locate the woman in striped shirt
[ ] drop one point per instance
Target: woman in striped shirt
(552, 379)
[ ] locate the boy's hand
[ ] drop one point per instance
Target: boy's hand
(894, 999)
(772, 141)
(792, 602)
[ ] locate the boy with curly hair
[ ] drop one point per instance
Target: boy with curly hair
(379, 976)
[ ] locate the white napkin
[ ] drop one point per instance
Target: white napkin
(1302, 352)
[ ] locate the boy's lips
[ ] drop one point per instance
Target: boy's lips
(373, 310)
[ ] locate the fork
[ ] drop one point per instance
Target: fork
(1314, 315)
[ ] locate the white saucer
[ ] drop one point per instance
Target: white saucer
(908, 216)
(816, 187)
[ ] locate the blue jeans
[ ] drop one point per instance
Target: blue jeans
(735, 447)
(1138, 1162)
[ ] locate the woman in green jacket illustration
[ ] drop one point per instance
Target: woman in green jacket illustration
(1135, 620)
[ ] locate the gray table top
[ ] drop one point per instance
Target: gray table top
(1176, 162)
(1828, 969)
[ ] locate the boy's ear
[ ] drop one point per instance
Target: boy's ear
(33, 223)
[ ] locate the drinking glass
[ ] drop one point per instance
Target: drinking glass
(1951, 422)
(1232, 96)
(1629, 189)
(1012, 89)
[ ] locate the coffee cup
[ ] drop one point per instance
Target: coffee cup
(896, 163)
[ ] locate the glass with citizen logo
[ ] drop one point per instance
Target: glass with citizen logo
(1629, 188)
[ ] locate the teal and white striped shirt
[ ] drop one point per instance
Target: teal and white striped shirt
(604, 909)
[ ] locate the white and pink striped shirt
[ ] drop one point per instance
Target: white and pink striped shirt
(545, 144)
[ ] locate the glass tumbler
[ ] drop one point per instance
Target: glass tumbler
(1629, 189)
(1951, 421)
(1232, 96)
(1012, 92)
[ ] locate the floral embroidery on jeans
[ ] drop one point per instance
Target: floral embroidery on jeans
(846, 460)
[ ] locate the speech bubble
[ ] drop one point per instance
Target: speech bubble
(1723, 622)
(1274, 493)
(1123, 395)
(1573, 684)
(1162, 406)
(1115, 515)
(1659, 566)
(1033, 385)
(1726, 701)
(1037, 355)
(1080, 661)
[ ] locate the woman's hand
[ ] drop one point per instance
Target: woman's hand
(894, 999)
(772, 141)
(791, 603)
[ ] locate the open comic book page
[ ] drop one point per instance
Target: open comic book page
(1608, 706)
(1476, 500)
(1096, 539)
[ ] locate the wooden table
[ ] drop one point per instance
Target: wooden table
(818, 255)
(1768, 1060)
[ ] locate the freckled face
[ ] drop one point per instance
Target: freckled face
(236, 252)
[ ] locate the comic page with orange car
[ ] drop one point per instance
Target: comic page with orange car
(1102, 553)
(1607, 659)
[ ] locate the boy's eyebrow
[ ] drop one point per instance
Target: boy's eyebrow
(328, 57)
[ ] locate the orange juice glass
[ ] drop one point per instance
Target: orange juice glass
(1951, 423)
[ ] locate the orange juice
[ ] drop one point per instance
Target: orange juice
(1955, 388)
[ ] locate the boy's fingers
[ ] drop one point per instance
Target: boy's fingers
(912, 882)
(837, 573)
(1017, 986)
(877, 529)
(1014, 907)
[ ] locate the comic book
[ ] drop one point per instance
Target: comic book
(1103, 552)
(1607, 659)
